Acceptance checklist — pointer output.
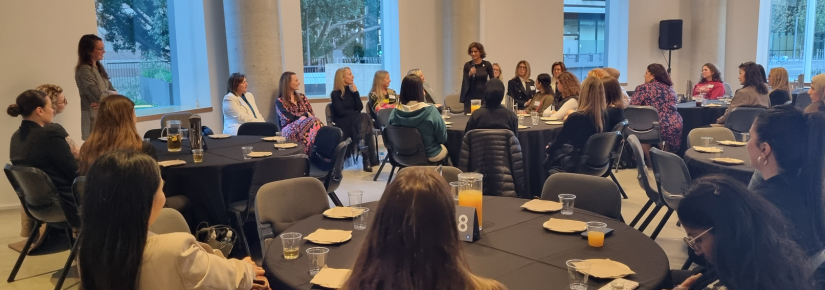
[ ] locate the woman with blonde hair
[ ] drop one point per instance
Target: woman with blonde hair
(569, 87)
(588, 119)
(116, 130)
(780, 91)
(428, 92)
(496, 71)
(295, 115)
(381, 95)
(347, 115)
(598, 73)
(413, 243)
(59, 102)
(521, 88)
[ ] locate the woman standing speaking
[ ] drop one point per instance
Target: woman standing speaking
(476, 73)
(92, 80)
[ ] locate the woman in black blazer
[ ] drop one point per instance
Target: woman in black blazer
(347, 115)
(521, 87)
(476, 73)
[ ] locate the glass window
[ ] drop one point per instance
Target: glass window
(790, 46)
(340, 33)
(584, 34)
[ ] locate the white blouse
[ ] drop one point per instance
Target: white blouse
(237, 112)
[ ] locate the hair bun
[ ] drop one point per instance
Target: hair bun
(13, 110)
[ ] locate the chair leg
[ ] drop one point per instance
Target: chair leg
(661, 224)
(24, 252)
(391, 172)
(650, 218)
(621, 190)
(381, 168)
(687, 263)
(619, 157)
(68, 265)
(334, 197)
(239, 222)
(641, 213)
(375, 137)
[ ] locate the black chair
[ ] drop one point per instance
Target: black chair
(384, 120)
(323, 150)
(672, 178)
(803, 100)
(643, 121)
(620, 127)
(152, 134)
(258, 129)
(597, 156)
(404, 148)
(328, 112)
(593, 193)
(266, 170)
(644, 182)
(741, 118)
(42, 203)
(377, 125)
(333, 178)
(79, 190)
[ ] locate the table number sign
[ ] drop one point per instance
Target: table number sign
(467, 221)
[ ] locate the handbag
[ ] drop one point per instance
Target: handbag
(219, 237)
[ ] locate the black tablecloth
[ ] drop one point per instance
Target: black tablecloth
(514, 249)
(533, 141)
(699, 164)
(696, 117)
(223, 176)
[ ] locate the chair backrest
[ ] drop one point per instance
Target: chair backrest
(336, 173)
(717, 133)
(323, 149)
(274, 169)
(595, 194)
(817, 261)
(672, 176)
(642, 174)
(405, 145)
(728, 90)
(79, 190)
(152, 134)
(640, 119)
(384, 117)
(283, 203)
(449, 173)
(169, 221)
(453, 102)
(620, 126)
(328, 112)
(182, 116)
(258, 129)
(741, 118)
(598, 152)
(37, 193)
(803, 99)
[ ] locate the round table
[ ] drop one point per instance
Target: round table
(699, 164)
(533, 141)
(696, 117)
(223, 177)
(514, 249)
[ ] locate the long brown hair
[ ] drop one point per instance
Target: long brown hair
(659, 74)
(286, 78)
(592, 102)
(715, 76)
(569, 84)
(85, 48)
(114, 129)
(413, 243)
(613, 92)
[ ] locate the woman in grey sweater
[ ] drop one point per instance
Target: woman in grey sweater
(92, 80)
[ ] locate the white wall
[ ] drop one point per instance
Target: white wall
(741, 38)
(421, 43)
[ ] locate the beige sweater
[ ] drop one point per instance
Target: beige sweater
(746, 97)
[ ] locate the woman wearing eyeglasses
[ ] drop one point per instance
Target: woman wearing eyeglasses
(742, 236)
(59, 102)
(521, 88)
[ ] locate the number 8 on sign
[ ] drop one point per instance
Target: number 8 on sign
(462, 223)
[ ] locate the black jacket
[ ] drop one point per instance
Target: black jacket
(787, 193)
(779, 97)
(472, 87)
(497, 155)
(346, 109)
(44, 148)
(614, 116)
(493, 118)
(519, 93)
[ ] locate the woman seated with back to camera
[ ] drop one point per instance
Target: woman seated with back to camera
(493, 115)
(117, 250)
(615, 102)
(543, 98)
(429, 96)
(742, 237)
(754, 92)
(616, 74)
(657, 92)
(415, 113)
(711, 85)
(780, 90)
(115, 129)
(589, 119)
(570, 88)
(413, 243)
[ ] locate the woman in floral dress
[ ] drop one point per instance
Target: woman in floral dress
(657, 91)
(295, 115)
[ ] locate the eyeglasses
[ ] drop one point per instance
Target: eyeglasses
(521, 66)
(691, 241)
(65, 101)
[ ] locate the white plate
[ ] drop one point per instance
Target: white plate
(219, 136)
(163, 139)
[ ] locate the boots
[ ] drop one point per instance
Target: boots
(365, 156)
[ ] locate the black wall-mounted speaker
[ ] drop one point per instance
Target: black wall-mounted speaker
(670, 34)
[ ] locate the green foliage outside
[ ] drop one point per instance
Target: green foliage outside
(787, 20)
(338, 24)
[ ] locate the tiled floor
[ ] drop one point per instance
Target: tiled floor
(41, 272)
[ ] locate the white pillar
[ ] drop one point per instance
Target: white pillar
(391, 42)
(253, 46)
(708, 30)
(810, 22)
(461, 27)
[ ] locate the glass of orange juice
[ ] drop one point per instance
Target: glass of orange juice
(474, 105)
(595, 234)
(469, 192)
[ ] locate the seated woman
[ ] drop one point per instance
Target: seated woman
(711, 85)
(816, 92)
(780, 90)
(381, 95)
(59, 102)
(115, 129)
(783, 140)
(347, 115)
(739, 233)
(428, 92)
(493, 115)
(543, 99)
(116, 249)
(616, 74)
(496, 71)
(36, 144)
(239, 105)
(657, 92)
(754, 92)
(415, 113)
(569, 87)
(521, 88)
(413, 242)
(295, 115)
(589, 119)
(615, 101)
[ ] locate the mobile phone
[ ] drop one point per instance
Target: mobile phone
(607, 232)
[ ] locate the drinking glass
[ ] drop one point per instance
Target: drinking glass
(474, 105)
(355, 197)
(445, 113)
(291, 242)
(173, 136)
(469, 194)
(706, 141)
(578, 271)
(534, 116)
(521, 120)
(360, 221)
(455, 186)
(197, 155)
(567, 203)
(745, 137)
(246, 150)
(699, 99)
(317, 259)
(595, 234)
(184, 133)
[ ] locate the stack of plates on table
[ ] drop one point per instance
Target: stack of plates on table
(522, 127)
(608, 269)
(274, 139)
(285, 145)
(169, 163)
(260, 154)
(446, 117)
(331, 278)
(341, 212)
(219, 136)
(548, 119)
(554, 123)
(731, 143)
(713, 105)
(565, 226)
(448, 123)
(538, 205)
(328, 237)
(728, 161)
(707, 149)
